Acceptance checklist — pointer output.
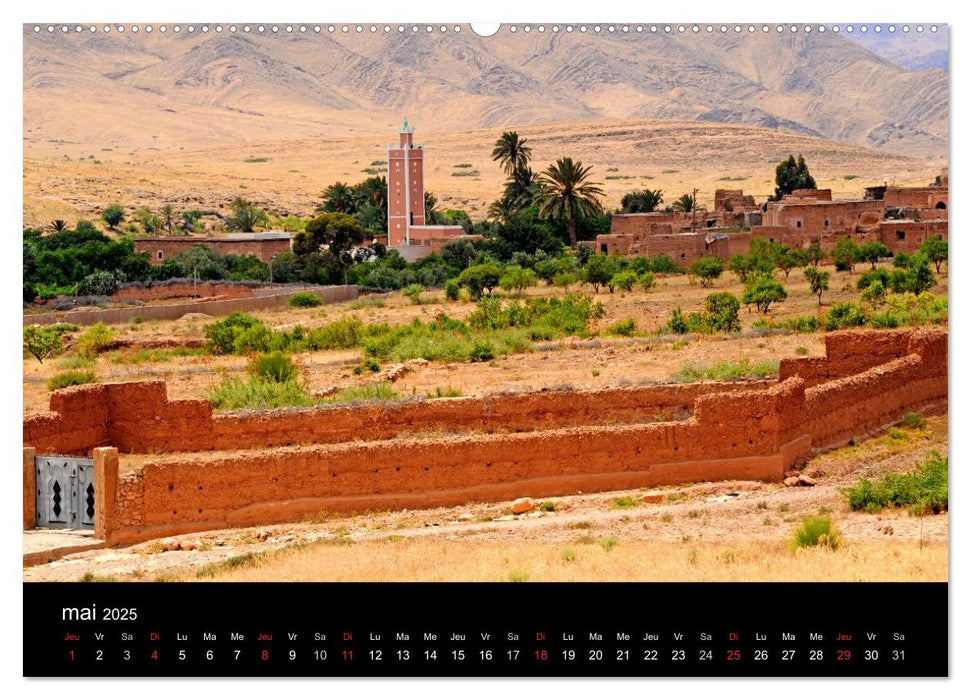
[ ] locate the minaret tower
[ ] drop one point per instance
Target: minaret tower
(406, 187)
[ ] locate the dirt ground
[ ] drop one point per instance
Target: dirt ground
(580, 363)
(724, 531)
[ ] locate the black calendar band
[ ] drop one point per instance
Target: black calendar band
(459, 629)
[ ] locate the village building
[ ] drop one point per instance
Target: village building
(265, 245)
(902, 218)
(408, 232)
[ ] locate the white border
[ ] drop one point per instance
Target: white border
(757, 11)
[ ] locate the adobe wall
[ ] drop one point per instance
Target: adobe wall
(137, 417)
(170, 312)
(182, 290)
(908, 236)
(919, 197)
(161, 249)
(543, 444)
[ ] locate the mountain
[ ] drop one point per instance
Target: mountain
(204, 89)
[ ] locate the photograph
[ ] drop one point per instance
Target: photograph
(412, 303)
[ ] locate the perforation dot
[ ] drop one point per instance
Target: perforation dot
(177, 29)
(303, 28)
(162, 29)
(934, 28)
(920, 28)
(148, 29)
(905, 29)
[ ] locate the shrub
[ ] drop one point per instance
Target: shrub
(647, 281)
(924, 490)
(221, 335)
(452, 290)
(517, 278)
(95, 340)
(305, 300)
(677, 323)
(722, 311)
(913, 420)
(62, 380)
(727, 370)
(517, 576)
(608, 542)
(342, 334)
(844, 315)
(623, 502)
(272, 367)
(482, 351)
(818, 282)
(625, 280)
(569, 554)
(480, 279)
(98, 284)
(234, 394)
(846, 254)
(413, 292)
(627, 328)
(817, 531)
(378, 391)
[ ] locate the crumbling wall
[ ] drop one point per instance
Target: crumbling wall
(354, 459)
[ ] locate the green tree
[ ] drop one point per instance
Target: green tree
(151, 222)
(564, 190)
(872, 251)
(707, 270)
(335, 232)
(168, 217)
(245, 216)
(685, 204)
(517, 278)
(599, 271)
(42, 341)
(512, 152)
(936, 251)
(480, 279)
(815, 254)
(792, 174)
(641, 201)
(625, 280)
(721, 308)
(846, 253)
(113, 215)
(763, 292)
(339, 198)
(58, 225)
(740, 265)
(818, 282)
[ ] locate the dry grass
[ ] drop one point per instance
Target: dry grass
(420, 560)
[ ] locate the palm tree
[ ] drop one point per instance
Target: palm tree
(339, 197)
(58, 225)
(685, 204)
(564, 190)
(168, 215)
(511, 152)
(245, 217)
(641, 201)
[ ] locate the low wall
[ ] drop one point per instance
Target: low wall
(183, 289)
(170, 312)
(292, 464)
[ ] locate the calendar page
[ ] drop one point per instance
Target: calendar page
(485, 350)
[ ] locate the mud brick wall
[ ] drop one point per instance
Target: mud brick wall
(170, 312)
(289, 464)
(137, 417)
(180, 290)
(263, 248)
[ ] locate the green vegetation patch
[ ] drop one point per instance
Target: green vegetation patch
(921, 491)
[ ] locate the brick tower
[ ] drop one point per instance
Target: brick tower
(406, 188)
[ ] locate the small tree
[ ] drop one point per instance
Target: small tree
(722, 311)
(599, 270)
(479, 279)
(740, 266)
(936, 251)
(815, 254)
(846, 254)
(413, 292)
(625, 280)
(517, 278)
(818, 282)
(763, 292)
(872, 251)
(791, 175)
(113, 215)
(42, 341)
(707, 270)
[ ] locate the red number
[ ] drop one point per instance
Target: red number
(734, 655)
(71, 652)
(348, 654)
(265, 655)
(541, 655)
(155, 654)
(842, 654)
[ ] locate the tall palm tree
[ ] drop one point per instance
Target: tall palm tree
(58, 225)
(168, 216)
(641, 201)
(565, 191)
(511, 152)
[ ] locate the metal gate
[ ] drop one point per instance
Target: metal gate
(65, 492)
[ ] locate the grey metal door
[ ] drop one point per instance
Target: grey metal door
(65, 492)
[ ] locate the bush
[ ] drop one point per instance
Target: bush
(923, 491)
(817, 531)
(517, 279)
(728, 370)
(305, 300)
(98, 284)
(625, 280)
(721, 308)
(763, 292)
(272, 367)
(647, 281)
(452, 290)
(342, 334)
(482, 351)
(913, 420)
(95, 340)
(221, 335)
(235, 394)
(480, 279)
(379, 391)
(627, 328)
(62, 380)
(413, 292)
(42, 341)
(844, 315)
